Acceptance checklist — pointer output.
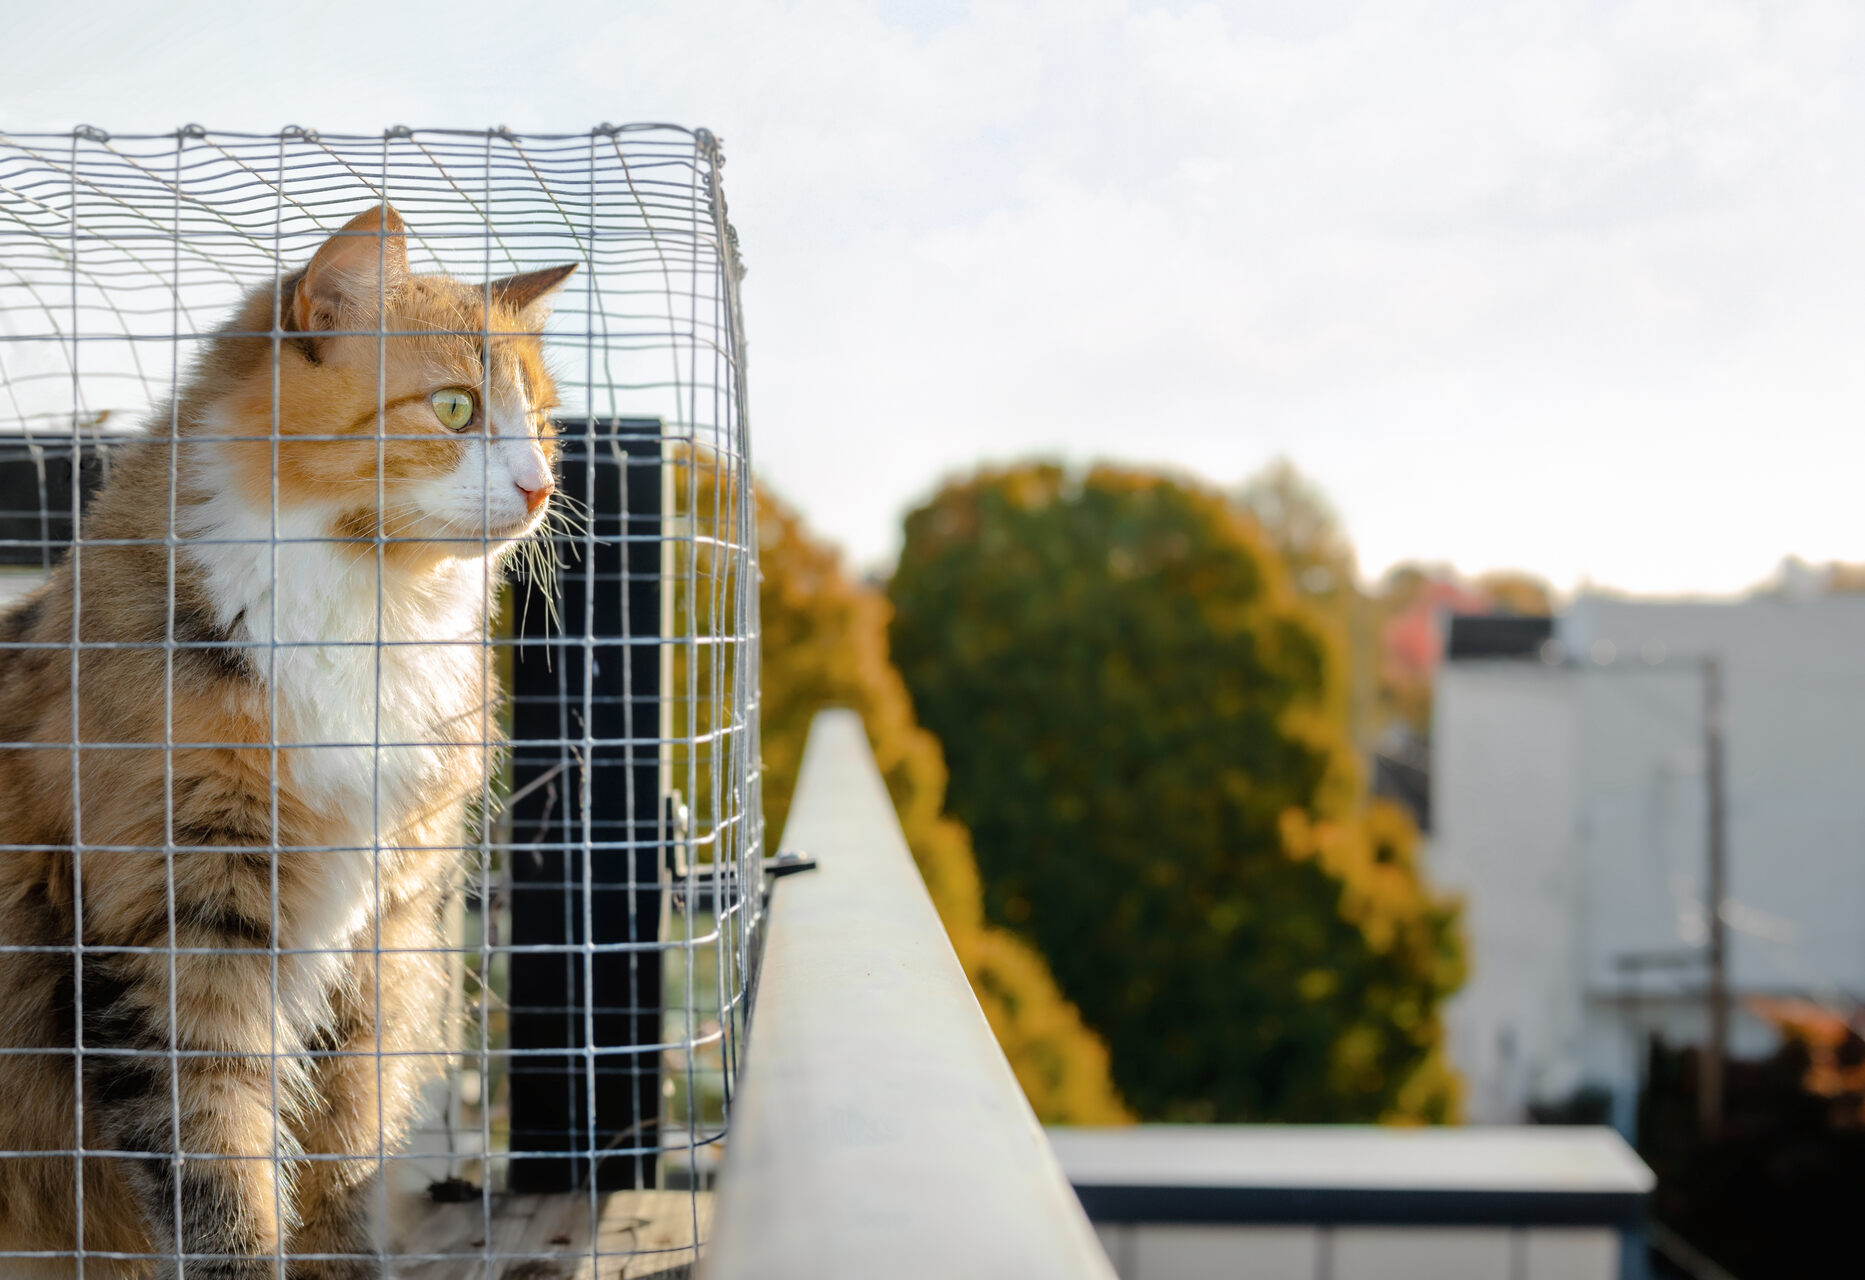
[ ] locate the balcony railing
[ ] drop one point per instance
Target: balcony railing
(879, 1130)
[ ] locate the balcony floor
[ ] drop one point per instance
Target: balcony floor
(637, 1235)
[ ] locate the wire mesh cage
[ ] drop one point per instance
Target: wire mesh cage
(380, 837)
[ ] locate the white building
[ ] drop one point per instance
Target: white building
(1569, 809)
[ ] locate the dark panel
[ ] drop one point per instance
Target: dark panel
(1350, 1206)
(1497, 636)
(35, 493)
(586, 856)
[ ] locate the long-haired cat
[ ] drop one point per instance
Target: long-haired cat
(250, 814)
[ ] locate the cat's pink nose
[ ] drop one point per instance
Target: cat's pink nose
(535, 498)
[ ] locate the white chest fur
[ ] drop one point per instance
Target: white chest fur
(372, 673)
(371, 676)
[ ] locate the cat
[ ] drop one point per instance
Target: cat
(257, 884)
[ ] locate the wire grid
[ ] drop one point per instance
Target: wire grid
(119, 258)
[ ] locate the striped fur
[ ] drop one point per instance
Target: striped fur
(258, 882)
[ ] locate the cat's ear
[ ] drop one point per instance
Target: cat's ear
(359, 265)
(528, 295)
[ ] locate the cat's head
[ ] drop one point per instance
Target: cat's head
(414, 407)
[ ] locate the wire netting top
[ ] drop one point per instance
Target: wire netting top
(111, 245)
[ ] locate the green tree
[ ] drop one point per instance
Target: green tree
(825, 644)
(1148, 745)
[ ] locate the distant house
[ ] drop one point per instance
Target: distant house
(1569, 809)
(1412, 641)
(1413, 644)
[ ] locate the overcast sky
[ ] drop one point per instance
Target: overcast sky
(1574, 288)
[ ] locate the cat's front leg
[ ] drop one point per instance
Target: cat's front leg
(340, 1180)
(339, 1223)
(366, 1077)
(195, 1102)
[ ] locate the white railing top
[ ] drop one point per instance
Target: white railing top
(879, 1130)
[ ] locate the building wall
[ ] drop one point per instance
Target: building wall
(1503, 778)
(1795, 693)
(1165, 1251)
(1570, 811)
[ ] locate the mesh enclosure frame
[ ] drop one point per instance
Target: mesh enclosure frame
(606, 892)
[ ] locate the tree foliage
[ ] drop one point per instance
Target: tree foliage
(1148, 744)
(1509, 591)
(1304, 531)
(1319, 565)
(825, 644)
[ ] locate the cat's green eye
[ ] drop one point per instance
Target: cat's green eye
(454, 408)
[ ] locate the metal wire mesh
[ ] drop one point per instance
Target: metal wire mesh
(380, 871)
